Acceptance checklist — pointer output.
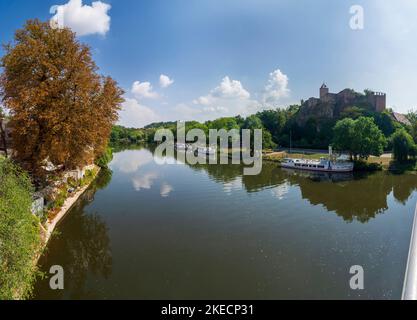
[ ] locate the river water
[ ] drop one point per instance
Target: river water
(179, 231)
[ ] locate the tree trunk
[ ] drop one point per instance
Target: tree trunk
(3, 137)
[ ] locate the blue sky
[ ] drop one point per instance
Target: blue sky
(221, 58)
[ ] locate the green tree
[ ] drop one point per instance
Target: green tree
(343, 135)
(19, 233)
(273, 121)
(352, 112)
(105, 158)
(385, 122)
(254, 122)
(412, 117)
(403, 145)
(361, 137)
(227, 123)
(368, 138)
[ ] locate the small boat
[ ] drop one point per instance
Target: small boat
(323, 165)
(206, 151)
(182, 146)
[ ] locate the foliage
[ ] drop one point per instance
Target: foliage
(344, 135)
(273, 121)
(412, 117)
(360, 137)
(361, 165)
(19, 233)
(105, 158)
(121, 134)
(227, 123)
(403, 145)
(254, 122)
(60, 108)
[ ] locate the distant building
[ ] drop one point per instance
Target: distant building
(332, 105)
(401, 118)
(376, 100)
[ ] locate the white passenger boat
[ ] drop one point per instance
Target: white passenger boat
(323, 164)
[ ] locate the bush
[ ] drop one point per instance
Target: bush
(105, 158)
(361, 165)
(19, 233)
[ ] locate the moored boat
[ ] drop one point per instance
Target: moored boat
(323, 165)
(206, 151)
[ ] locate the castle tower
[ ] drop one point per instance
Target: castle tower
(380, 101)
(324, 91)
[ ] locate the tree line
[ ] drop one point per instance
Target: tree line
(357, 131)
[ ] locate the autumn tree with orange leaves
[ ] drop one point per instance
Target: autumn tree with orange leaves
(61, 110)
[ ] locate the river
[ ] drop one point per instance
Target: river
(179, 231)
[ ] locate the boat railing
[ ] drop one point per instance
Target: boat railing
(410, 281)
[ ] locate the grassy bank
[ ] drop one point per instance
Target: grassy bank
(20, 239)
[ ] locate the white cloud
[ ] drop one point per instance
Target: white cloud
(276, 88)
(204, 101)
(229, 98)
(143, 90)
(235, 185)
(136, 115)
(165, 81)
(133, 163)
(144, 182)
(230, 89)
(166, 189)
(83, 19)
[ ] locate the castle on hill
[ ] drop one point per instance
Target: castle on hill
(376, 100)
(331, 105)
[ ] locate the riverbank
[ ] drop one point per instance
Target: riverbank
(48, 228)
(51, 224)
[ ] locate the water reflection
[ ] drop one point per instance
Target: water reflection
(185, 231)
(351, 196)
(83, 252)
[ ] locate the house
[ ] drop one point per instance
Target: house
(401, 118)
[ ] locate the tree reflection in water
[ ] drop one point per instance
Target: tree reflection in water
(359, 197)
(84, 251)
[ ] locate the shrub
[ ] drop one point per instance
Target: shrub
(105, 158)
(19, 233)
